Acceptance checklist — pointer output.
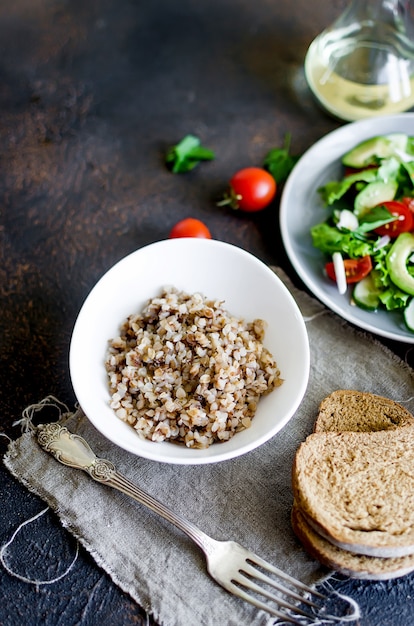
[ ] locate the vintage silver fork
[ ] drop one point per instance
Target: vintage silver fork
(228, 563)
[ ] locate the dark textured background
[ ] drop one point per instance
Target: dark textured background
(91, 95)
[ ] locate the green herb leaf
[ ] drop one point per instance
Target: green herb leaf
(408, 166)
(329, 239)
(279, 162)
(184, 156)
(374, 218)
(410, 146)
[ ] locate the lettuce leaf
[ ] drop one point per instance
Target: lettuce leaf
(390, 295)
(329, 239)
(393, 298)
(335, 189)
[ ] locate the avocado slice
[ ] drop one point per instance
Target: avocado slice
(368, 152)
(373, 194)
(397, 258)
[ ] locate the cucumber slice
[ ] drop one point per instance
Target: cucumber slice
(397, 259)
(369, 151)
(373, 194)
(366, 294)
(409, 315)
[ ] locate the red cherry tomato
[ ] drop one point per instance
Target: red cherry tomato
(348, 171)
(410, 203)
(403, 223)
(355, 269)
(190, 227)
(252, 189)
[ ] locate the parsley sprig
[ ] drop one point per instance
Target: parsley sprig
(279, 162)
(188, 153)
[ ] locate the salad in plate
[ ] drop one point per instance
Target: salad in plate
(368, 236)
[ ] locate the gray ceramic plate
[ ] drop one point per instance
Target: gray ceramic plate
(301, 208)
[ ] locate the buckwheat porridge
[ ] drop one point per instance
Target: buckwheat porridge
(185, 370)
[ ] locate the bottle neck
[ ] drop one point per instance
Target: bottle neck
(399, 13)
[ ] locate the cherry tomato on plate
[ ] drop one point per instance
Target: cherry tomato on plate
(190, 227)
(403, 223)
(355, 269)
(251, 189)
(349, 171)
(410, 203)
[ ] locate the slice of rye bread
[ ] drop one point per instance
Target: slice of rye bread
(359, 411)
(347, 563)
(356, 489)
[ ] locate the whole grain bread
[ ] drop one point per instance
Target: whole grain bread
(356, 489)
(347, 563)
(360, 411)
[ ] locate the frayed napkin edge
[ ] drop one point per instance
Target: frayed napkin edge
(12, 452)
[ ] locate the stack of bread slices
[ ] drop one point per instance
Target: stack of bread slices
(353, 486)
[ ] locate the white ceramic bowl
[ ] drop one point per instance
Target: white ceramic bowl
(218, 270)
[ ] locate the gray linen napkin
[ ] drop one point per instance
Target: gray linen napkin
(247, 499)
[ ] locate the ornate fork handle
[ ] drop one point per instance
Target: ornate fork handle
(72, 450)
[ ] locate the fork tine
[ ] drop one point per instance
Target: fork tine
(251, 571)
(259, 562)
(252, 586)
(238, 591)
(253, 561)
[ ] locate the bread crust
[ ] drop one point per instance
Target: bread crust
(347, 563)
(350, 410)
(374, 540)
(357, 489)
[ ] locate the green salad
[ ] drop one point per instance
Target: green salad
(368, 236)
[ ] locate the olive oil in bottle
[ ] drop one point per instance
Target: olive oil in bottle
(363, 65)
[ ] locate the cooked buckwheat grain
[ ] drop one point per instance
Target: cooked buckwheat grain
(187, 371)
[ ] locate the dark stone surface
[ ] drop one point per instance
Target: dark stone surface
(91, 95)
